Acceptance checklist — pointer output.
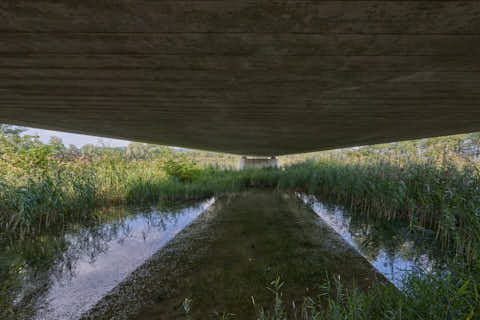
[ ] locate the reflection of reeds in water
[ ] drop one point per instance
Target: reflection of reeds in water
(436, 194)
(28, 267)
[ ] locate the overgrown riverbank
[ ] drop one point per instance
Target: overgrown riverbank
(442, 199)
(433, 185)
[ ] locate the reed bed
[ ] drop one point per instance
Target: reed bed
(444, 199)
(427, 297)
(431, 183)
(436, 191)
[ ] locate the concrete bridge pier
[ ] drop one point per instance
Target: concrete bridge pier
(257, 162)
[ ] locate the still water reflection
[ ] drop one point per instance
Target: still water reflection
(63, 275)
(392, 248)
(92, 261)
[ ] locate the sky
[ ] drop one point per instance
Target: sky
(76, 139)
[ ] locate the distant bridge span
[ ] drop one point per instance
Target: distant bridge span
(246, 77)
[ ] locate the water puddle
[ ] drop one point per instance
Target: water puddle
(95, 260)
(393, 252)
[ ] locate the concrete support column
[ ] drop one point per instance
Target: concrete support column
(257, 162)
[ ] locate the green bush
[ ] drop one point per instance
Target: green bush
(182, 169)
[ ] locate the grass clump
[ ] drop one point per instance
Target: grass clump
(426, 296)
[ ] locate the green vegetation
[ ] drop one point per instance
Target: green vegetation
(426, 297)
(43, 185)
(433, 184)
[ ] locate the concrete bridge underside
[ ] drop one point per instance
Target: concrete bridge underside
(247, 77)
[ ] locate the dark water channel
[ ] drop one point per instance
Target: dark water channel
(141, 265)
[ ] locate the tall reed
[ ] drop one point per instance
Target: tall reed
(442, 196)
